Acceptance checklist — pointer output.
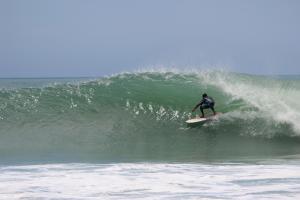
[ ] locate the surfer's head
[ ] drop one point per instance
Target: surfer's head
(204, 95)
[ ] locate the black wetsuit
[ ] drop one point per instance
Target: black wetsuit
(206, 102)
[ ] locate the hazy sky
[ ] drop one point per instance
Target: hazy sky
(95, 38)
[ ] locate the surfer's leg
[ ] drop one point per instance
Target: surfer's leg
(201, 109)
(212, 108)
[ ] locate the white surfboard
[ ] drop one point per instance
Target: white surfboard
(202, 120)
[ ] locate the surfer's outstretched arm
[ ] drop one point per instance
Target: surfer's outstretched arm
(200, 103)
(195, 107)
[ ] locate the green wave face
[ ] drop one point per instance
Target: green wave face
(141, 117)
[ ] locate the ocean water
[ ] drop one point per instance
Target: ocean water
(125, 137)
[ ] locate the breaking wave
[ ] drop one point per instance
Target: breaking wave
(141, 116)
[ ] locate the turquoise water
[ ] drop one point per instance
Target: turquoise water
(137, 121)
(140, 117)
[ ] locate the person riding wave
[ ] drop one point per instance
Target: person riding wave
(205, 103)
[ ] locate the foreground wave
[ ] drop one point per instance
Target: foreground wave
(150, 181)
(140, 116)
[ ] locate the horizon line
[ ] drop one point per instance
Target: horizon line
(70, 77)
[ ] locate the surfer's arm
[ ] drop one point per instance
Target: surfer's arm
(200, 103)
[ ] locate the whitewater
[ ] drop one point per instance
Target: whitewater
(125, 137)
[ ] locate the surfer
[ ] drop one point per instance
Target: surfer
(205, 103)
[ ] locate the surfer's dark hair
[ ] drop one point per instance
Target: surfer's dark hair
(204, 95)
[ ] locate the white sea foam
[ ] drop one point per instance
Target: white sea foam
(150, 181)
